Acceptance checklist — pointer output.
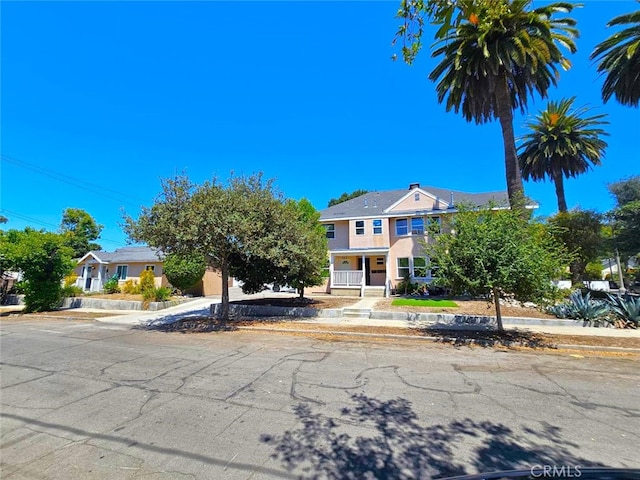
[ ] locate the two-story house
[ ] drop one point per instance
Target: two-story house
(375, 239)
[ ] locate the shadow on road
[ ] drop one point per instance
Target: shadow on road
(401, 448)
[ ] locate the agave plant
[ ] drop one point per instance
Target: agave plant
(582, 307)
(627, 309)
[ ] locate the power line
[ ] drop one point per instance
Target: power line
(76, 182)
(13, 214)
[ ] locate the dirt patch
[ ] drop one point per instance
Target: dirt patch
(120, 296)
(324, 302)
(485, 338)
(71, 314)
(466, 307)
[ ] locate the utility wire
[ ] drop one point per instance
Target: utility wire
(12, 214)
(76, 182)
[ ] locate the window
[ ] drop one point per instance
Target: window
(380, 261)
(150, 267)
(417, 226)
(434, 268)
(434, 224)
(419, 267)
(331, 230)
(377, 227)
(416, 197)
(121, 272)
(403, 267)
(359, 227)
(401, 226)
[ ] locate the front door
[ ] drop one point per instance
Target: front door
(367, 269)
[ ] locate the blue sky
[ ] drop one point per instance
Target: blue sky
(100, 100)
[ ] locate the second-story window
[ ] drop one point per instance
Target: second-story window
(331, 230)
(401, 226)
(434, 225)
(377, 227)
(417, 226)
(359, 227)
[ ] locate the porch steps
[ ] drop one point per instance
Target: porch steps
(356, 312)
(374, 292)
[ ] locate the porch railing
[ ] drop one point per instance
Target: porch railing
(346, 278)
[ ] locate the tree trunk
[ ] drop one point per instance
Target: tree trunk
(301, 292)
(496, 299)
(504, 110)
(224, 310)
(559, 183)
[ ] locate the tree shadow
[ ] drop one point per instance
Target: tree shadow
(489, 337)
(188, 324)
(400, 447)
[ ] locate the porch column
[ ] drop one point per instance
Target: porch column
(387, 280)
(331, 268)
(85, 276)
(364, 276)
(100, 269)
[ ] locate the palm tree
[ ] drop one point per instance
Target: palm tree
(495, 59)
(561, 143)
(619, 57)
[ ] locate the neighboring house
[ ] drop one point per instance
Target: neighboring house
(374, 239)
(127, 263)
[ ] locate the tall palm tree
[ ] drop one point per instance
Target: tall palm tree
(562, 143)
(495, 59)
(619, 57)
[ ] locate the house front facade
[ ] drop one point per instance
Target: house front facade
(377, 239)
(127, 263)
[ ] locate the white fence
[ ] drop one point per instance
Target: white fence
(347, 278)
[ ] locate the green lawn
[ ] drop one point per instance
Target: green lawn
(418, 302)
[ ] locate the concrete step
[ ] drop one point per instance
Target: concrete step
(356, 312)
(374, 292)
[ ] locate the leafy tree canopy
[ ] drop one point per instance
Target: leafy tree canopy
(625, 225)
(495, 252)
(346, 196)
(184, 271)
(44, 259)
(581, 232)
(80, 230)
(243, 228)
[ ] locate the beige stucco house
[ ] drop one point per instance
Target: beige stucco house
(127, 263)
(375, 239)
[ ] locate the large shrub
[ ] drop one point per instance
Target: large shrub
(44, 260)
(112, 285)
(147, 281)
(184, 271)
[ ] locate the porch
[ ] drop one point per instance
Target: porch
(369, 278)
(92, 277)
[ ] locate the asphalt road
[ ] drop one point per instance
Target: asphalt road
(89, 400)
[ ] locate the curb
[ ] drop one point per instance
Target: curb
(595, 348)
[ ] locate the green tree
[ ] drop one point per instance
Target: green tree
(231, 225)
(625, 217)
(581, 232)
(496, 252)
(80, 230)
(184, 271)
(561, 143)
(44, 259)
(308, 254)
(494, 55)
(619, 57)
(346, 196)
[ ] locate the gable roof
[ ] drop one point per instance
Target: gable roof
(378, 203)
(126, 255)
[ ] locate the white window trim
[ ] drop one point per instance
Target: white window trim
(330, 232)
(126, 271)
(398, 267)
(373, 226)
(358, 228)
(407, 226)
(415, 232)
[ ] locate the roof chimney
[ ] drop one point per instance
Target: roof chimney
(366, 203)
(451, 204)
(414, 185)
